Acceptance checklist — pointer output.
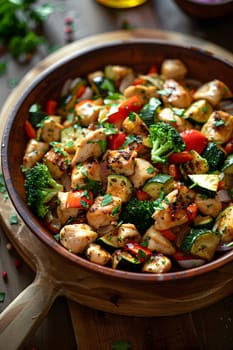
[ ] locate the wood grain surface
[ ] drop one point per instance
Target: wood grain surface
(50, 282)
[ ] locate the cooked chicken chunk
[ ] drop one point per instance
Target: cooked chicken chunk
(82, 173)
(93, 145)
(121, 161)
(57, 161)
(173, 69)
(157, 242)
(173, 214)
(213, 92)
(208, 206)
(34, 152)
(143, 171)
(63, 212)
(175, 94)
(104, 211)
(76, 237)
(51, 129)
(144, 93)
(87, 112)
(219, 127)
(126, 233)
(158, 263)
(168, 116)
(97, 254)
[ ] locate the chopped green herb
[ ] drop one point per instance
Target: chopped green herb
(116, 210)
(2, 297)
(132, 116)
(18, 25)
(150, 170)
(219, 123)
(106, 200)
(165, 92)
(2, 184)
(14, 219)
(120, 345)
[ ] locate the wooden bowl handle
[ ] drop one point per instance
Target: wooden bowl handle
(22, 317)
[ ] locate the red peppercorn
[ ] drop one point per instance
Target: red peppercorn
(68, 20)
(4, 275)
(17, 263)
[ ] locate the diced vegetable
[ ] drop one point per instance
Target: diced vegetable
(157, 184)
(201, 242)
(215, 156)
(205, 183)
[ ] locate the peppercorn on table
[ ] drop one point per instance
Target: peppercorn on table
(69, 325)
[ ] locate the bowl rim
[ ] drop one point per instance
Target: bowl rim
(17, 200)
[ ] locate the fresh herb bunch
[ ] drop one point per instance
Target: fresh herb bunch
(19, 20)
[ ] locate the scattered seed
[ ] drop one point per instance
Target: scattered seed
(8, 246)
(4, 275)
(17, 263)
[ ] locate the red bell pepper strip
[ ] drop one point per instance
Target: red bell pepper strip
(139, 251)
(180, 255)
(132, 104)
(229, 147)
(31, 132)
(194, 140)
(142, 195)
(80, 91)
(153, 69)
(51, 106)
(169, 235)
(81, 199)
(116, 141)
(139, 81)
(180, 157)
(192, 211)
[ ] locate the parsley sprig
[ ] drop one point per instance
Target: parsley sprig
(19, 22)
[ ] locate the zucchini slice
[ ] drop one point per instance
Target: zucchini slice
(224, 224)
(198, 165)
(215, 156)
(158, 183)
(206, 222)
(199, 111)
(201, 242)
(228, 165)
(109, 241)
(123, 260)
(149, 111)
(120, 186)
(204, 183)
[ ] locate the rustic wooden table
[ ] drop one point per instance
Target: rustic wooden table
(210, 328)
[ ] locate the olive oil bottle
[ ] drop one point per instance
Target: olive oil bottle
(121, 3)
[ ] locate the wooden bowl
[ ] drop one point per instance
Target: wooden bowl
(114, 291)
(201, 10)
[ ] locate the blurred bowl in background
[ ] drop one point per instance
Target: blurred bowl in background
(206, 9)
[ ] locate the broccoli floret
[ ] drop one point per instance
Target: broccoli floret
(165, 140)
(40, 188)
(139, 213)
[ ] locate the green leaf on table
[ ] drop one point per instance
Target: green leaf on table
(42, 12)
(2, 184)
(3, 67)
(120, 345)
(14, 219)
(2, 297)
